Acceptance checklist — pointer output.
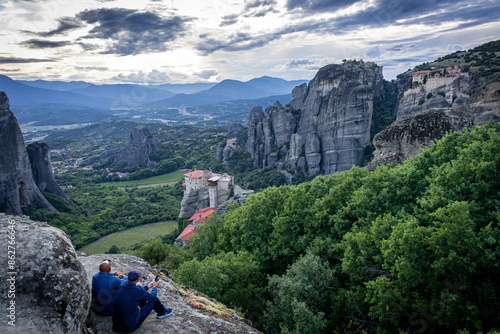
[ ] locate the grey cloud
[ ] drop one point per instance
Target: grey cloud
(235, 42)
(153, 77)
(15, 60)
(131, 32)
(302, 64)
(207, 74)
(253, 8)
(91, 68)
(9, 70)
(65, 24)
(319, 5)
(229, 20)
(41, 44)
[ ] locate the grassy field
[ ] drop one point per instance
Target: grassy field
(129, 237)
(170, 177)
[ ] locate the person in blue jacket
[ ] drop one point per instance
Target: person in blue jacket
(105, 286)
(133, 304)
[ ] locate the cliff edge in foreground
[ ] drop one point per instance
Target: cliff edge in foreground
(52, 288)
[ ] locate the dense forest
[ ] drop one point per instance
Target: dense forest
(410, 248)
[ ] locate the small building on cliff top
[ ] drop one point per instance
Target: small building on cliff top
(200, 217)
(218, 185)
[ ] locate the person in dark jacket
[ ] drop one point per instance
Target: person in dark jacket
(104, 288)
(128, 314)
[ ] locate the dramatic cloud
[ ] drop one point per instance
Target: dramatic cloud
(41, 44)
(253, 8)
(319, 5)
(229, 20)
(153, 77)
(65, 24)
(303, 64)
(207, 74)
(131, 32)
(15, 60)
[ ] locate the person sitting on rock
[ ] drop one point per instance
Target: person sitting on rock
(133, 304)
(105, 286)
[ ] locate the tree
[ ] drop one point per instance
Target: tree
(114, 250)
(301, 297)
(232, 278)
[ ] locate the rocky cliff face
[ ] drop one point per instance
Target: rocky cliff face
(39, 155)
(194, 200)
(411, 100)
(326, 125)
(485, 101)
(137, 152)
(404, 138)
(52, 289)
(17, 185)
(427, 112)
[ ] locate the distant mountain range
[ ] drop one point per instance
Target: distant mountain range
(231, 90)
(59, 95)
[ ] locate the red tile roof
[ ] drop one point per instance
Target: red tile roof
(188, 232)
(194, 175)
(201, 214)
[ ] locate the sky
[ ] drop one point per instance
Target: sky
(186, 41)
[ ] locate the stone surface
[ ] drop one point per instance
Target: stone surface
(140, 146)
(327, 122)
(52, 294)
(186, 317)
(404, 138)
(41, 167)
(485, 102)
(194, 200)
(17, 186)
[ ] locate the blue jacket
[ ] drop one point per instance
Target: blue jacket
(126, 308)
(104, 289)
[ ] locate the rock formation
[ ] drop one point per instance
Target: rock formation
(194, 200)
(426, 112)
(39, 155)
(137, 151)
(485, 101)
(326, 125)
(404, 138)
(51, 290)
(17, 185)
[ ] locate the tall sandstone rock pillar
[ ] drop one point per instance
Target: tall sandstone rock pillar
(17, 186)
(41, 167)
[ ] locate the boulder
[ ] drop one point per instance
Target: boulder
(404, 138)
(51, 290)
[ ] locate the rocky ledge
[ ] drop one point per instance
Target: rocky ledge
(404, 138)
(53, 289)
